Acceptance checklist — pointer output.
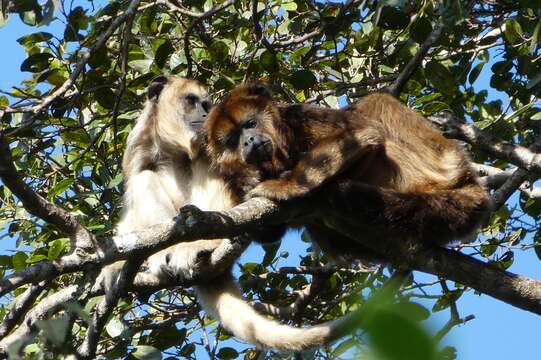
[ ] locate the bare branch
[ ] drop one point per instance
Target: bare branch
(44, 308)
(509, 187)
(19, 308)
(415, 61)
(105, 308)
(515, 154)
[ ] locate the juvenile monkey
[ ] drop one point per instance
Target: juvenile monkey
(376, 160)
(164, 170)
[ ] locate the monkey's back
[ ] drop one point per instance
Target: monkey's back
(415, 155)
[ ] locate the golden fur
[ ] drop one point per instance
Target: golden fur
(376, 160)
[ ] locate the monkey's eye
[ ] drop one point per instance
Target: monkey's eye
(206, 105)
(250, 123)
(231, 140)
(192, 99)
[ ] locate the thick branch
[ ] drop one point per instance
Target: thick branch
(516, 290)
(37, 205)
(193, 224)
(515, 154)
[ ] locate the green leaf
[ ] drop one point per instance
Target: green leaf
(489, 247)
(36, 62)
(270, 253)
(290, 6)
(535, 37)
(534, 81)
(36, 258)
(60, 187)
(19, 260)
(303, 79)
(395, 337)
(227, 353)
(420, 30)
(187, 350)
(441, 77)
(412, 310)
(167, 337)
(56, 248)
(115, 327)
(537, 244)
(34, 38)
(54, 76)
(177, 59)
(145, 352)
(106, 98)
(32, 17)
(474, 74)
(141, 66)
(446, 299)
(513, 31)
(55, 329)
(162, 53)
(269, 61)
(219, 51)
(536, 116)
(343, 347)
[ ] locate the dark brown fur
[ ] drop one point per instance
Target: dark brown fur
(376, 160)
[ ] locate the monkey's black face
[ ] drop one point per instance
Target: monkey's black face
(196, 110)
(255, 147)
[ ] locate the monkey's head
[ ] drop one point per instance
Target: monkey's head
(182, 106)
(244, 130)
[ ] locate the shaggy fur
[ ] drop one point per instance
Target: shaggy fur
(164, 171)
(376, 160)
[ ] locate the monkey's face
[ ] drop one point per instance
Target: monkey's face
(183, 106)
(242, 130)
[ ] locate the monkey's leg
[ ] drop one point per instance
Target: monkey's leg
(328, 158)
(341, 248)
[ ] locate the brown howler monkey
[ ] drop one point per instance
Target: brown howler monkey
(377, 161)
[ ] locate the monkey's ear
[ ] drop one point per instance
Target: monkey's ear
(156, 87)
(259, 89)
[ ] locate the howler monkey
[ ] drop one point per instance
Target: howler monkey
(376, 161)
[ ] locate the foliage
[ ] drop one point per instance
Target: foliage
(310, 51)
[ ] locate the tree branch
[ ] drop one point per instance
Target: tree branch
(19, 308)
(515, 154)
(415, 61)
(44, 308)
(193, 224)
(37, 205)
(46, 101)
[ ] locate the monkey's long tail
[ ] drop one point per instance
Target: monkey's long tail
(223, 300)
(435, 217)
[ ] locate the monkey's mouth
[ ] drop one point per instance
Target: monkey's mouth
(259, 153)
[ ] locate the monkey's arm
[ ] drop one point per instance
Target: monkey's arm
(328, 158)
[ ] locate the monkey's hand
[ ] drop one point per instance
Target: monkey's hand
(278, 190)
(184, 261)
(108, 277)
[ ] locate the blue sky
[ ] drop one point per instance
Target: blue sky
(499, 331)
